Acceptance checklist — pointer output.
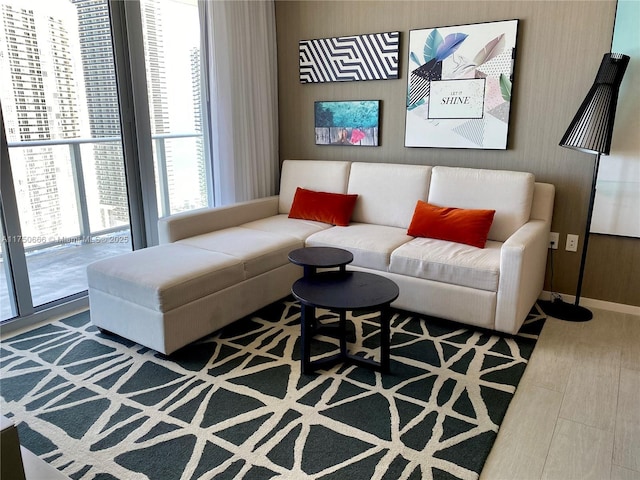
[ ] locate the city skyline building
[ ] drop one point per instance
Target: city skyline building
(98, 68)
(71, 93)
(44, 101)
(61, 116)
(197, 123)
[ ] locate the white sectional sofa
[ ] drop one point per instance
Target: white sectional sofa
(215, 266)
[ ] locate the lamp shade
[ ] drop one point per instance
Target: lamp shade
(592, 127)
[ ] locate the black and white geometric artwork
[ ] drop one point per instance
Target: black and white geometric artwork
(372, 56)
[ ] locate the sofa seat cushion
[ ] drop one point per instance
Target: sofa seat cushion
(165, 277)
(371, 245)
(283, 225)
(449, 262)
(260, 251)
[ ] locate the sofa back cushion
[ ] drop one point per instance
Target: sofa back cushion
(387, 193)
(317, 175)
(508, 193)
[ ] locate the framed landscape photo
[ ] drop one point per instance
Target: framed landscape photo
(459, 85)
(350, 123)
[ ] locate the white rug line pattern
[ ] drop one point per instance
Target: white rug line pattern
(142, 403)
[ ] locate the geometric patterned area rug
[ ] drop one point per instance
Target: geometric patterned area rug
(235, 404)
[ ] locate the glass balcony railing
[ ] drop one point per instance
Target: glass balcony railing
(83, 191)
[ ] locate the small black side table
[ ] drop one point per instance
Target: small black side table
(343, 291)
(312, 258)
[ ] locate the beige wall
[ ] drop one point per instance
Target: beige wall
(559, 48)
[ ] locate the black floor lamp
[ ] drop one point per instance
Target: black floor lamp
(590, 131)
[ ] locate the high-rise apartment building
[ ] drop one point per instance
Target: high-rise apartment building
(62, 119)
(57, 58)
(42, 99)
(196, 89)
(104, 115)
(154, 50)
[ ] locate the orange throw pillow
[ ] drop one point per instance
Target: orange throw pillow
(333, 208)
(470, 227)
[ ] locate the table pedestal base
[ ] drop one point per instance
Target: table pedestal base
(310, 326)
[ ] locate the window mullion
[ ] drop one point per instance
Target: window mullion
(126, 27)
(15, 264)
(205, 103)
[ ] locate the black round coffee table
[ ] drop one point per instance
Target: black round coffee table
(312, 258)
(343, 291)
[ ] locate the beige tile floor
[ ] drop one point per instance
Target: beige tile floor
(576, 412)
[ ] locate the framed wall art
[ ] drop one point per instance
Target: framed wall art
(459, 85)
(372, 56)
(351, 123)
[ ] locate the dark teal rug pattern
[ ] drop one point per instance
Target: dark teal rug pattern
(235, 405)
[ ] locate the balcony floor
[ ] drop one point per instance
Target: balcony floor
(59, 271)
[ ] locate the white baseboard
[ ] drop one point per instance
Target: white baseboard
(594, 303)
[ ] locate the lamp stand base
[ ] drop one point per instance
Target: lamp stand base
(565, 311)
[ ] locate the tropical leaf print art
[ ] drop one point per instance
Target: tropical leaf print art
(459, 85)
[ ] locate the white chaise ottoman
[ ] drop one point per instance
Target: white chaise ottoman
(164, 297)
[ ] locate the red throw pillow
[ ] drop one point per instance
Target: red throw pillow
(333, 208)
(470, 227)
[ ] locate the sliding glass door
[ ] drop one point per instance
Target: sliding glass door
(62, 125)
(75, 160)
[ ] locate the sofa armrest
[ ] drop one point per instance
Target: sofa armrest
(523, 262)
(196, 222)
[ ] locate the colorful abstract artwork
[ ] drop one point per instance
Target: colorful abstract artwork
(459, 85)
(372, 56)
(353, 123)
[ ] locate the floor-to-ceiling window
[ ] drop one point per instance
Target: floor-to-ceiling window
(59, 136)
(171, 33)
(75, 196)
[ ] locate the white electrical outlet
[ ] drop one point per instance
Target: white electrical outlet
(572, 242)
(554, 239)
